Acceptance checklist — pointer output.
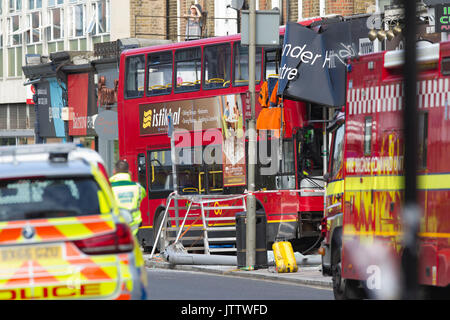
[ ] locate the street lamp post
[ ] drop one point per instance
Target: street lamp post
(251, 200)
(411, 211)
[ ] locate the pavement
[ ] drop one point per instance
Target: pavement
(306, 275)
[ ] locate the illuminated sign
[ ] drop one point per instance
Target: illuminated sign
(442, 15)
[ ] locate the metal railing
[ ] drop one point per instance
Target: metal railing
(175, 27)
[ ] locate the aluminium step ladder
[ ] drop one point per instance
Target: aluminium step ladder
(199, 208)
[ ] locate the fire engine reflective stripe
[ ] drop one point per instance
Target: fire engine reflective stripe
(431, 93)
(335, 188)
(434, 181)
(369, 183)
(394, 183)
(349, 232)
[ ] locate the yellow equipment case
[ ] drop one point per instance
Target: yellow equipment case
(284, 257)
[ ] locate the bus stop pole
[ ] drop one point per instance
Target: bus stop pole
(171, 134)
(251, 200)
(411, 211)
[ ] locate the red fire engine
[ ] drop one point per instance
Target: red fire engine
(362, 248)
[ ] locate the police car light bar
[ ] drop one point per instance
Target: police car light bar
(55, 148)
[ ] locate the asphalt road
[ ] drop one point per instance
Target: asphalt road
(184, 285)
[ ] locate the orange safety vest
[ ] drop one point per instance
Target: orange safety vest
(264, 95)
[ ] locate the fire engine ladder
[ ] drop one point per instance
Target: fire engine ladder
(200, 207)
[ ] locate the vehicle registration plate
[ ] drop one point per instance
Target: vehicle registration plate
(24, 253)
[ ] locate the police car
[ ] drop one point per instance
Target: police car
(61, 233)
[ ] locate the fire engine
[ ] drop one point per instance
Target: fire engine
(362, 229)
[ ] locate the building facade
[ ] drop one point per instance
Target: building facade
(166, 19)
(40, 27)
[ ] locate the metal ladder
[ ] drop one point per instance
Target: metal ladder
(201, 204)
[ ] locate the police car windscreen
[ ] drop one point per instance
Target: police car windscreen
(43, 198)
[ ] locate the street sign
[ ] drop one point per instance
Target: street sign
(267, 28)
(106, 125)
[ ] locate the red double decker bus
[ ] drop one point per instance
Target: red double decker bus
(204, 85)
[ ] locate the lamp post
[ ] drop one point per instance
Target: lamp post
(411, 211)
(251, 200)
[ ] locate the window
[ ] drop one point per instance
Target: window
(15, 5)
(240, 77)
(368, 136)
(159, 76)
(33, 34)
(338, 153)
(161, 171)
(52, 3)
(34, 4)
(272, 63)
(142, 170)
(197, 173)
(100, 20)
(445, 66)
(188, 69)
(15, 34)
(78, 18)
(286, 177)
(423, 140)
(55, 31)
(134, 77)
(44, 198)
(188, 169)
(217, 66)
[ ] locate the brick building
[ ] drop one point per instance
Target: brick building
(164, 19)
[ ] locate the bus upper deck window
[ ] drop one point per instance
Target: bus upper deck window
(159, 73)
(134, 76)
(217, 66)
(241, 65)
(188, 69)
(271, 62)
